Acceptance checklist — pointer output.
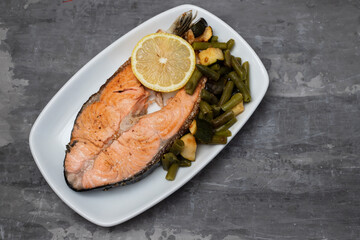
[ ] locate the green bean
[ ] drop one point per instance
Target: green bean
(241, 86)
(223, 118)
(237, 67)
(224, 70)
(177, 146)
(206, 111)
(208, 116)
(201, 115)
(226, 125)
(184, 163)
(208, 72)
(216, 110)
(171, 174)
(226, 94)
(224, 133)
(218, 140)
(206, 45)
(205, 107)
(208, 96)
(218, 86)
(165, 163)
(233, 101)
(227, 58)
(239, 60)
(230, 44)
(193, 82)
(215, 67)
(214, 39)
(168, 159)
(246, 67)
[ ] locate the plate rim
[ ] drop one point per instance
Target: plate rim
(153, 202)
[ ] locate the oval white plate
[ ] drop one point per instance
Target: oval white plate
(51, 131)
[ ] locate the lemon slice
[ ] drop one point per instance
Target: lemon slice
(163, 62)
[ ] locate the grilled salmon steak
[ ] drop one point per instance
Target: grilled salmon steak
(113, 142)
(105, 116)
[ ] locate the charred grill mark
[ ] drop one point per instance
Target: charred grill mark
(73, 143)
(70, 145)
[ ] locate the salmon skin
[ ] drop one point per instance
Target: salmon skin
(114, 143)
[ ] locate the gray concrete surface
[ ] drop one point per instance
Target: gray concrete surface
(293, 172)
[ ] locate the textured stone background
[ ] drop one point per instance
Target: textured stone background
(293, 172)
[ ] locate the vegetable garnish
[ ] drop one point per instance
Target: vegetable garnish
(227, 89)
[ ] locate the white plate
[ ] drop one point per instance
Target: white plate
(51, 131)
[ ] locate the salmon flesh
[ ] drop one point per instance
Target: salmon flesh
(114, 141)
